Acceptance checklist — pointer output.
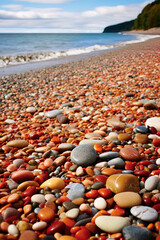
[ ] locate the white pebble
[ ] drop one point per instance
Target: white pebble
(151, 183)
(144, 213)
(39, 226)
(39, 198)
(13, 230)
(100, 203)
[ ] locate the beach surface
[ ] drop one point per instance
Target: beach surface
(80, 148)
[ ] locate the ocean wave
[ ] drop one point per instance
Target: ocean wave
(42, 56)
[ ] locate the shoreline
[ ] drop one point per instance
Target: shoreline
(72, 138)
(33, 66)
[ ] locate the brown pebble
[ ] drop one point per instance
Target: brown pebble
(28, 234)
(130, 154)
(141, 138)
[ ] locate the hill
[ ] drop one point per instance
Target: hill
(148, 18)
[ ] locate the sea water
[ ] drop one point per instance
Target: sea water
(20, 48)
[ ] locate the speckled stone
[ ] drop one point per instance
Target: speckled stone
(130, 154)
(145, 213)
(136, 233)
(111, 224)
(83, 155)
(127, 199)
(123, 182)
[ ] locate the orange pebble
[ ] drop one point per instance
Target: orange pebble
(116, 235)
(98, 148)
(157, 226)
(150, 226)
(100, 213)
(118, 212)
(92, 227)
(69, 222)
(46, 214)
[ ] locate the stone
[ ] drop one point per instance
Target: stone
(17, 143)
(72, 213)
(116, 162)
(127, 199)
(23, 226)
(153, 122)
(12, 230)
(22, 175)
(150, 106)
(108, 155)
(38, 226)
(141, 138)
(122, 183)
(22, 186)
(66, 147)
(53, 183)
(144, 213)
(28, 234)
(31, 109)
(111, 224)
(124, 137)
(141, 129)
(76, 190)
(112, 136)
(83, 155)
(93, 136)
(151, 183)
(14, 197)
(46, 214)
(18, 162)
(130, 154)
(10, 214)
(92, 142)
(39, 198)
(53, 113)
(136, 233)
(115, 122)
(100, 203)
(68, 205)
(62, 119)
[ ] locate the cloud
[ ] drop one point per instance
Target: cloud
(46, 1)
(13, 7)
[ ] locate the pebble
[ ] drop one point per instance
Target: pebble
(117, 163)
(122, 183)
(38, 226)
(28, 234)
(136, 233)
(92, 142)
(141, 138)
(10, 213)
(108, 155)
(130, 154)
(153, 122)
(46, 214)
(18, 162)
(53, 183)
(12, 230)
(38, 198)
(76, 190)
(127, 199)
(17, 143)
(111, 224)
(83, 155)
(151, 183)
(53, 113)
(100, 203)
(31, 110)
(112, 136)
(66, 147)
(93, 136)
(144, 213)
(72, 213)
(22, 175)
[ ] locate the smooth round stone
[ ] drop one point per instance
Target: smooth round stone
(83, 155)
(151, 183)
(18, 162)
(129, 94)
(22, 175)
(31, 110)
(28, 234)
(12, 230)
(53, 113)
(41, 149)
(141, 129)
(150, 106)
(67, 105)
(66, 147)
(136, 233)
(62, 119)
(53, 183)
(122, 183)
(144, 213)
(112, 136)
(108, 155)
(39, 226)
(141, 138)
(23, 226)
(158, 161)
(117, 162)
(100, 203)
(124, 136)
(46, 214)
(76, 190)
(93, 136)
(68, 205)
(72, 213)
(14, 197)
(10, 213)
(101, 165)
(111, 224)
(153, 122)
(39, 198)
(17, 143)
(127, 199)
(130, 154)
(92, 142)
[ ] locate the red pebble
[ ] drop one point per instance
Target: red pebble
(156, 142)
(102, 238)
(64, 199)
(92, 194)
(129, 166)
(83, 234)
(148, 201)
(56, 226)
(145, 163)
(157, 207)
(104, 192)
(30, 191)
(101, 178)
(153, 130)
(141, 173)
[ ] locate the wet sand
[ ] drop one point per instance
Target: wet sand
(83, 123)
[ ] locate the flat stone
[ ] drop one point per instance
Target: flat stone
(153, 122)
(72, 213)
(68, 205)
(93, 136)
(53, 183)
(141, 129)
(111, 224)
(144, 213)
(53, 113)
(108, 155)
(141, 138)
(76, 190)
(83, 155)
(17, 143)
(130, 154)
(127, 199)
(117, 162)
(136, 233)
(66, 147)
(123, 182)
(151, 183)
(28, 234)
(92, 142)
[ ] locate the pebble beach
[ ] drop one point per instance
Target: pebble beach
(80, 148)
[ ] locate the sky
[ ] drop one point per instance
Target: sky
(65, 16)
